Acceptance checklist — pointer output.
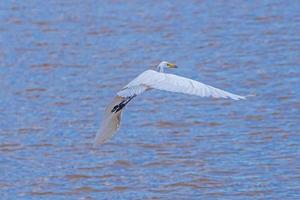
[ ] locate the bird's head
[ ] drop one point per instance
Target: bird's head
(165, 64)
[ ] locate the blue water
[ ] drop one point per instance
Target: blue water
(61, 62)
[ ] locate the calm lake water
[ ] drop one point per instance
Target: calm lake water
(61, 62)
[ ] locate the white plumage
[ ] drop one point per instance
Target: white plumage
(151, 79)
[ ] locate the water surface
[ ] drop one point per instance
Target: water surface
(61, 62)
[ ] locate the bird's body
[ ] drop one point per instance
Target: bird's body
(151, 79)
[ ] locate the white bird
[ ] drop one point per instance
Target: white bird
(151, 79)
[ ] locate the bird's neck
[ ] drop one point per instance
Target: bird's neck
(160, 69)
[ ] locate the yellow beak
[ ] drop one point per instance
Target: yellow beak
(171, 65)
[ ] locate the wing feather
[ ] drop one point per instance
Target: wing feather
(173, 83)
(110, 122)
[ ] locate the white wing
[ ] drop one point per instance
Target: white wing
(173, 83)
(154, 80)
(110, 122)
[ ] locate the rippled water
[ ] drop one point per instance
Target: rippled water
(63, 61)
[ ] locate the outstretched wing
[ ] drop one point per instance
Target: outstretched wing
(173, 83)
(110, 122)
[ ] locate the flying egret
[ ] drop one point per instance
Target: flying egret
(151, 79)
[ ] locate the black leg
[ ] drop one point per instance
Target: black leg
(121, 105)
